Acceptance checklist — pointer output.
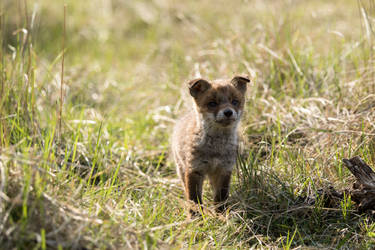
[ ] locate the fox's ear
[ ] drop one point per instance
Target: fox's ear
(240, 82)
(198, 86)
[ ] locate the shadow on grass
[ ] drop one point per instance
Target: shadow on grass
(274, 212)
(40, 222)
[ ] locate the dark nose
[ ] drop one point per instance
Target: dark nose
(228, 113)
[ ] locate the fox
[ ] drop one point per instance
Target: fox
(205, 140)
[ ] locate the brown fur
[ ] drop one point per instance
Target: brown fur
(204, 141)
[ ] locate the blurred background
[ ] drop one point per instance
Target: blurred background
(135, 54)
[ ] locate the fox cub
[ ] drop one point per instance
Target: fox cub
(204, 141)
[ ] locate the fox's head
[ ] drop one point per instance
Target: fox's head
(219, 102)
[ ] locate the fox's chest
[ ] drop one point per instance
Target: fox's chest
(218, 146)
(216, 153)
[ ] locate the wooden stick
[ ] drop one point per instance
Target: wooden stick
(363, 192)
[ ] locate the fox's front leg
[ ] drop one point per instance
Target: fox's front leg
(220, 183)
(193, 186)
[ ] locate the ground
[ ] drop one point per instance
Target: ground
(104, 178)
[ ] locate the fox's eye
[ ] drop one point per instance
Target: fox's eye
(212, 104)
(235, 102)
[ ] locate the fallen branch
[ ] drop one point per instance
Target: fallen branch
(363, 191)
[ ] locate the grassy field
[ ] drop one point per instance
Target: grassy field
(104, 179)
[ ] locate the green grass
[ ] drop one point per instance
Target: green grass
(105, 179)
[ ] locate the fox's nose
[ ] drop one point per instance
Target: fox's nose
(228, 113)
